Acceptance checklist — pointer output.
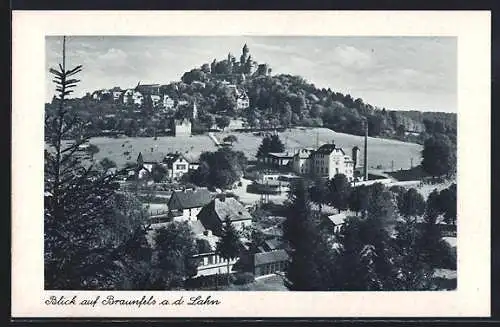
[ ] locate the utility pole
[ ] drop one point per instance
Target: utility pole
(411, 163)
(392, 166)
(317, 140)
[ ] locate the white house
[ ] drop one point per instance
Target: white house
(128, 96)
(301, 162)
(156, 99)
(168, 102)
(117, 94)
(176, 165)
(182, 127)
(132, 96)
(329, 161)
(138, 98)
(185, 205)
(242, 101)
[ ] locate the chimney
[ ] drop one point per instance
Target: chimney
(365, 159)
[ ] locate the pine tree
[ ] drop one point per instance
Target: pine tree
(80, 247)
(264, 148)
(310, 258)
(228, 246)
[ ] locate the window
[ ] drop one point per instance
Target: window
(180, 167)
(210, 260)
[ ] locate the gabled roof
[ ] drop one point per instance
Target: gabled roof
(285, 155)
(328, 149)
(270, 257)
(232, 208)
(273, 244)
(338, 219)
(188, 199)
(170, 158)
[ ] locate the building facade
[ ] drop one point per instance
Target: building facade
(214, 214)
(326, 162)
(176, 165)
(182, 127)
(185, 205)
(168, 102)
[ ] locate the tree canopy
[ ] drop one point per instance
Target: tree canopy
(439, 155)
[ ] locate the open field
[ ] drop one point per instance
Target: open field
(380, 151)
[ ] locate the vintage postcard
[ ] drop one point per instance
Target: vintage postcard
(251, 164)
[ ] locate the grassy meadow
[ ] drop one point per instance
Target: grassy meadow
(380, 151)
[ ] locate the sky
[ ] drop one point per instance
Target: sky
(398, 73)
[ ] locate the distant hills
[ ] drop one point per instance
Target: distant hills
(220, 87)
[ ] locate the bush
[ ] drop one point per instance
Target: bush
(243, 278)
(208, 282)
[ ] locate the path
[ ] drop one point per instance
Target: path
(213, 138)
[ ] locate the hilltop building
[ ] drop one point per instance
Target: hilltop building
(168, 102)
(182, 127)
(242, 101)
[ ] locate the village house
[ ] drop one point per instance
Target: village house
(116, 93)
(330, 160)
(185, 205)
(176, 165)
(131, 96)
(214, 213)
(168, 102)
(301, 163)
(155, 99)
(146, 161)
(270, 262)
(182, 127)
(334, 223)
(242, 101)
(278, 159)
(209, 261)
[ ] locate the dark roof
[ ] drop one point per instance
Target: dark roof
(232, 208)
(285, 155)
(273, 244)
(189, 199)
(170, 158)
(328, 148)
(270, 257)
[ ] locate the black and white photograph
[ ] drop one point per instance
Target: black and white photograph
(251, 163)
